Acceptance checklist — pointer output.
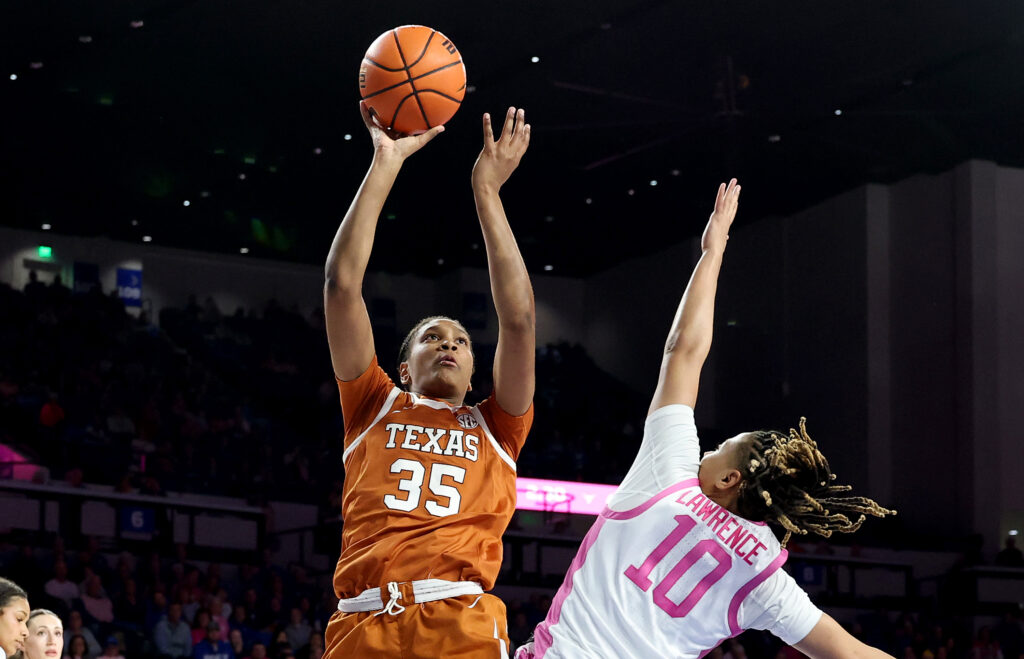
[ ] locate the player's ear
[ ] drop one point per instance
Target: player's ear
(729, 479)
(403, 374)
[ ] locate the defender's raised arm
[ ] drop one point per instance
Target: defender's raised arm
(689, 339)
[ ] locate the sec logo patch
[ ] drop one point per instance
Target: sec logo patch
(467, 421)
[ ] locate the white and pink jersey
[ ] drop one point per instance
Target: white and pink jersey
(665, 572)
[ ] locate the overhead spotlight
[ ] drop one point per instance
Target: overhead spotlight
(241, 177)
(589, 201)
(244, 250)
(147, 239)
(1014, 532)
(774, 139)
(135, 223)
(440, 261)
(675, 172)
(35, 66)
(839, 112)
(475, 246)
(470, 89)
(136, 24)
(14, 76)
(348, 137)
(549, 268)
(46, 226)
(204, 194)
(318, 151)
(653, 183)
(549, 218)
(534, 59)
(186, 203)
(631, 192)
(85, 38)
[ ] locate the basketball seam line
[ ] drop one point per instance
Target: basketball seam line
(381, 66)
(434, 91)
(394, 33)
(422, 75)
(424, 51)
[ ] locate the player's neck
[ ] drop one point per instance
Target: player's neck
(453, 400)
(727, 499)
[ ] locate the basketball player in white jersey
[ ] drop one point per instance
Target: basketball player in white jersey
(682, 558)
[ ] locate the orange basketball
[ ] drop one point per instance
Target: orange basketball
(413, 78)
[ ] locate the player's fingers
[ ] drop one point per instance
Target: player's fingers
(526, 136)
(520, 123)
(720, 195)
(506, 130)
(430, 134)
(488, 130)
(365, 111)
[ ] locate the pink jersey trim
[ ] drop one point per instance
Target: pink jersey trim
(541, 636)
(741, 594)
(608, 513)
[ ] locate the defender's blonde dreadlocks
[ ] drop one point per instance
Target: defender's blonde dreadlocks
(787, 482)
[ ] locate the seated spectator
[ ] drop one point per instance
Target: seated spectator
(315, 649)
(172, 635)
(77, 628)
(213, 646)
(156, 609)
(298, 630)
(59, 586)
(259, 651)
(281, 648)
(237, 642)
(1009, 555)
(128, 609)
(200, 626)
(112, 649)
(219, 611)
(97, 605)
(984, 647)
(77, 648)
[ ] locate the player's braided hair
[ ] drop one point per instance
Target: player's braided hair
(403, 350)
(787, 482)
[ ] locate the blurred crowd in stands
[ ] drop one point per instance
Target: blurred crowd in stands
(241, 404)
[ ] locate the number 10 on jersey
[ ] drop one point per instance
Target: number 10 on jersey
(640, 575)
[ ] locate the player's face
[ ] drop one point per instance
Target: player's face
(720, 461)
(13, 629)
(45, 638)
(440, 362)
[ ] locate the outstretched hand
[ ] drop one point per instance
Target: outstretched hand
(388, 144)
(717, 231)
(499, 158)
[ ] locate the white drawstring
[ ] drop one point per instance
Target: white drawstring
(392, 607)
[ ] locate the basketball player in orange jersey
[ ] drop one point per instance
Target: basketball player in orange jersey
(429, 482)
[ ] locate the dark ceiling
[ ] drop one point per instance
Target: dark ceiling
(123, 110)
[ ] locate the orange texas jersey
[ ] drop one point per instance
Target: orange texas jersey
(429, 488)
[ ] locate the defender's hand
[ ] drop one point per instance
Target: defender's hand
(717, 231)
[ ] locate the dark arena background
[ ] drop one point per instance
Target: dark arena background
(172, 173)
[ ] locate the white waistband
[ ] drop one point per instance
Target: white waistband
(424, 590)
